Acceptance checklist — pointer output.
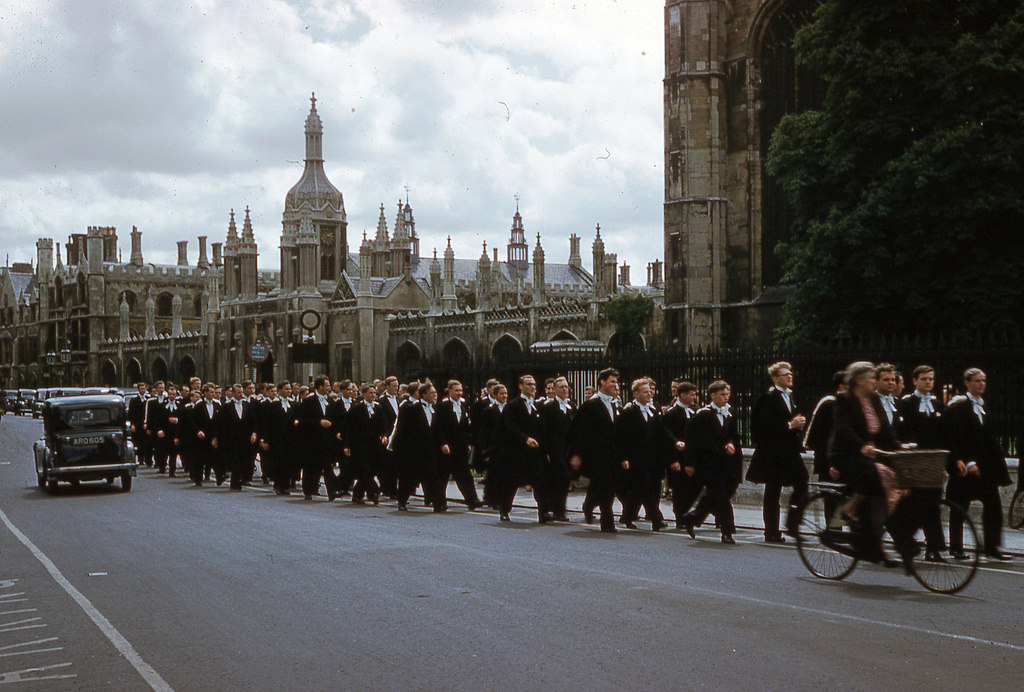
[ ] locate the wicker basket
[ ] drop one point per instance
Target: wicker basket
(918, 468)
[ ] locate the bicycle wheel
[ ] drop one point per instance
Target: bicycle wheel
(818, 557)
(1015, 514)
(957, 561)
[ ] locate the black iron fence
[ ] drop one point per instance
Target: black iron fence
(1001, 356)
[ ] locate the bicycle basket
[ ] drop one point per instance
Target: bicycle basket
(918, 468)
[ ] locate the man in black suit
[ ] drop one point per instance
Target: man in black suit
(415, 444)
(682, 478)
(318, 436)
(776, 427)
(525, 457)
(592, 444)
(491, 440)
(236, 435)
(203, 427)
(455, 443)
(977, 466)
(155, 423)
(643, 440)
(921, 423)
(277, 438)
(136, 418)
(888, 387)
(713, 447)
(389, 404)
(365, 437)
(556, 416)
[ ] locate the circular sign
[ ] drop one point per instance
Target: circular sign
(258, 352)
(310, 319)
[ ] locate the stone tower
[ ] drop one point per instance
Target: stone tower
(730, 76)
(314, 217)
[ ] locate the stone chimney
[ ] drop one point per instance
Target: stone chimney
(136, 258)
(203, 262)
(182, 253)
(217, 261)
(624, 275)
(575, 259)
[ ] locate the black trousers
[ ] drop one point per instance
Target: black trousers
(772, 494)
(685, 491)
(717, 500)
(645, 492)
(556, 486)
(601, 494)
(362, 465)
(463, 478)
(963, 491)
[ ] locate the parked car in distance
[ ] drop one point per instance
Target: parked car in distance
(84, 439)
(9, 401)
(26, 400)
(42, 396)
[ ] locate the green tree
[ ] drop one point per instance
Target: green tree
(629, 312)
(906, 185)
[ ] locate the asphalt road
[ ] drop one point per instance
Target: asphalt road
(175, 587)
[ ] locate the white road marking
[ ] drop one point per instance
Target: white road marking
(119, 641)
(28, 674)
(97, 574)
(31, 643)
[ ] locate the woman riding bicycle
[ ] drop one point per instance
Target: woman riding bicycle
(860, 430)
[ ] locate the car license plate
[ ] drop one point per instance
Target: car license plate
(87, 441)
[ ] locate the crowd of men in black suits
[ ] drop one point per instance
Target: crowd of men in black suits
(385, 439)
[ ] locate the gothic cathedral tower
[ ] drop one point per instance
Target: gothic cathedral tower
(314, 244)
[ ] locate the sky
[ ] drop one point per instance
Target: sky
(165, 115)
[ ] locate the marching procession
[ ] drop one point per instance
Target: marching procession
(384, 439)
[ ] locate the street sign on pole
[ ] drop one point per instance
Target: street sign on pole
(258, 352)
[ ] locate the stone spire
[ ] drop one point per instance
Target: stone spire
(150, 317)
(247, 259)
(176, 330)
(435, 280)
(539, 292)
(483, 280)
(382, 227)
(448, 299)
(599, 259)
(230, 256)
(365, 268)
(517, 246)
(124, 334)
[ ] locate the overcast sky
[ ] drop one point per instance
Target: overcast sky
(164, 115)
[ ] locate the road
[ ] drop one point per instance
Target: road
(175, 587)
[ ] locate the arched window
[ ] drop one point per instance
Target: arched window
(163, 305)
(786, 88)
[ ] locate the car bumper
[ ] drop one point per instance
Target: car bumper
(92, 472)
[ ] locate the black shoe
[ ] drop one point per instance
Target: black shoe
(728, 539)
(562, 517)
(628, 524)
(358, 501)
(199, 484)
(588, 516)
(375, 500)
(687, 525)
(171, 475)
(958, 554)
(402, 507)
(609, 529)
(657, 525)
(440, 508)
(998, 556)
(544, 518)
(504, 517)
(307, 496)
(474, 505)
(774, 538)
(933, 556)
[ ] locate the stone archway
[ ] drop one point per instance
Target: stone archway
(158, 371)
(186, 368)
(133, 370)
(455, 355)
(108, 374)
(506, 349)
(408, 361)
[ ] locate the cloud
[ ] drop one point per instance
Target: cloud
(166, 115)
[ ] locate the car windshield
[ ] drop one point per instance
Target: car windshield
(85, 418)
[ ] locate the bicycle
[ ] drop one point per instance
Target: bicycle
(830, 549)
(1015, 513)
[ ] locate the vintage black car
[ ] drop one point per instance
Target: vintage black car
(84, 439)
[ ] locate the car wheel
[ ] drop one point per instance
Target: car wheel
(126, 482)
(51, 486)
(41, 480)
